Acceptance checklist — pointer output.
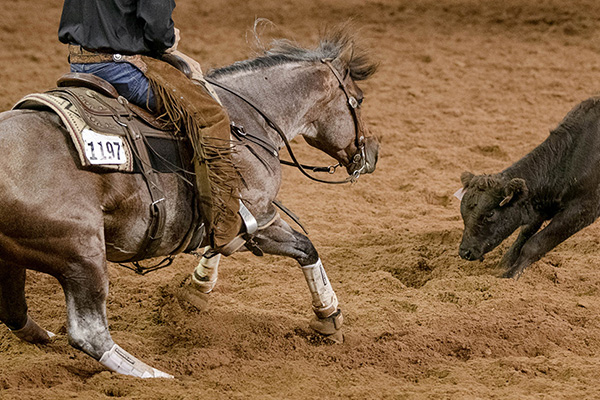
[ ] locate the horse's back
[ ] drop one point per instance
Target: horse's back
(35, 142)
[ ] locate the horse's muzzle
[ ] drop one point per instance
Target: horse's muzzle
(367, 158)
(364, 159)
(371, 153)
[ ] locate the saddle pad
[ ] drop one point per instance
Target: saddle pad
(95, 149)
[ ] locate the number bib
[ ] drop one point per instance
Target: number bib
(103, 149)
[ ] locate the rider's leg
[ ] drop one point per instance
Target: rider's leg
(129, 81)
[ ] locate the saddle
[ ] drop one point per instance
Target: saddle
(111, 134)
(105, 111)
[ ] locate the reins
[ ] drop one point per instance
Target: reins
(359, 139)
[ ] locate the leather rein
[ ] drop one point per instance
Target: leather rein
(353, 105)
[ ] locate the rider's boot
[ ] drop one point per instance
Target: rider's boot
(248, 227)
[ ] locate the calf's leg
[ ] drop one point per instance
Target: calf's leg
(514, 251)
(572, 219)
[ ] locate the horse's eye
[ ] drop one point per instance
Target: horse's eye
(360, 100)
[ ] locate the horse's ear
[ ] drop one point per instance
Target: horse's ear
(346, 55)
(342, 62)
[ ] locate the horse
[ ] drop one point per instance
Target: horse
(65, 221)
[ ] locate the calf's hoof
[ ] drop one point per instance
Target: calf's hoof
(330, 327)
(513, 273)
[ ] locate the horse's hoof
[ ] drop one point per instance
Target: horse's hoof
(330, 327)
(202, 284)
(189, 293)
(337, 338)
(120, 361)
(32, 333)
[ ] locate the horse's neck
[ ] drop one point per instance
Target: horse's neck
(285, 92)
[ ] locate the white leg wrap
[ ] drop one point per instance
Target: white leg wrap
(118, 360)
(324, 299)
(206, 273)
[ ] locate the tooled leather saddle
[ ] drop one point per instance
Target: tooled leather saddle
(153, 141)
(154, 146)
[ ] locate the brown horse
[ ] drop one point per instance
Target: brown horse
(60, 219)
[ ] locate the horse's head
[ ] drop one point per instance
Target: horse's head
(338, 128)
(312, 92)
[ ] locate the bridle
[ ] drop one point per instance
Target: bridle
(359, 138)
(354, 106)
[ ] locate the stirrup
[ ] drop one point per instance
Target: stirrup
(249, 228)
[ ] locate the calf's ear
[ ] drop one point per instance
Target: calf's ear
(515, 188)
(466, 178)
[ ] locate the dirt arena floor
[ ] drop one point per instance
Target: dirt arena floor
(462, 85)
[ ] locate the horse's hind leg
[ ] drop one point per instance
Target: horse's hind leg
(86, 289)
(280, 239)
(13, 307)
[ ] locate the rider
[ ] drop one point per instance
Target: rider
(121, 41)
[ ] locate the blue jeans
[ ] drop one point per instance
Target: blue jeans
(129, 81)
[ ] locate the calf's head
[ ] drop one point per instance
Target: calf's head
(492, 209)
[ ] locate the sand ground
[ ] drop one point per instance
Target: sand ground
(462, 85)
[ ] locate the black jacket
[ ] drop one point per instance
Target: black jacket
(119, 26)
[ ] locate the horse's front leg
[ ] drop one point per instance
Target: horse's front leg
(280, 239)
(206, 273)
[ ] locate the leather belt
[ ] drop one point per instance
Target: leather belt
(79, 55)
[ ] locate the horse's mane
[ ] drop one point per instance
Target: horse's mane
(337, 42)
